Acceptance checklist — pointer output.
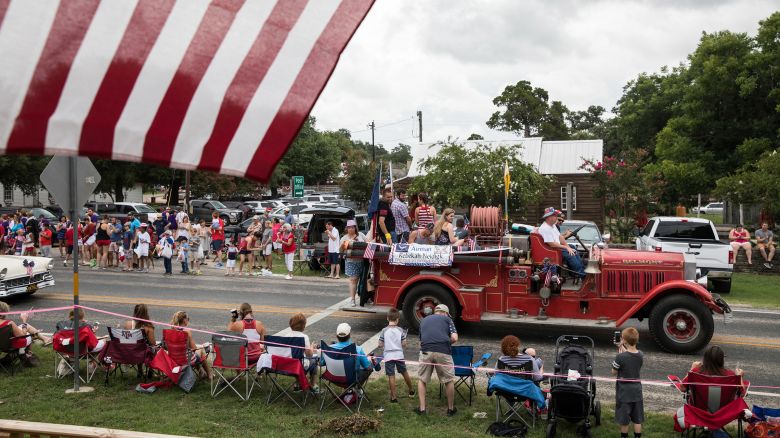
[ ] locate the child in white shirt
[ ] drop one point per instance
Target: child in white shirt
(393, 341)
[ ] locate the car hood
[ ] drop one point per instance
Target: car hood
(229, 210)
(332, 211)
(16, 268)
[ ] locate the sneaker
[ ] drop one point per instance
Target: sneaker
(452, 412)
(288, 277)
(768, 265)
(419, 411)
(353, 303)
(393, 400)
(411, 394)
(219, 265)
(315, 390)
(64, 263)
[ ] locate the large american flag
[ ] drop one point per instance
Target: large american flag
(220, 85)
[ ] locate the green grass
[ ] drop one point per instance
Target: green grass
(33, 395)
(755, 290)
(716, 219)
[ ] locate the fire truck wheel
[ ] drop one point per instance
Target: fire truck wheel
(421, 301)
(681, 324)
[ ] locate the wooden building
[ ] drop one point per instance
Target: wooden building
(559, 159)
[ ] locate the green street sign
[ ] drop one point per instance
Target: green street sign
(297, 187)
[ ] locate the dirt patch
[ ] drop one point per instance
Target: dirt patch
(356, 424)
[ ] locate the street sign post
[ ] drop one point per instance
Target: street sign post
(71, 180)
(297, 187)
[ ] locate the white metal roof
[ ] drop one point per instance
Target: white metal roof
(549, 157)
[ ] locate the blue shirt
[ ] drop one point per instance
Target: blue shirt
(290, 219)
(362, 362)
(435, 331)
(135, 223)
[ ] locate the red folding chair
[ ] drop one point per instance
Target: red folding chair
(172, 358)
(125, 347)
(711, 402)
(63, 343)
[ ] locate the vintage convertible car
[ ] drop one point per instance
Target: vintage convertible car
(20, 274)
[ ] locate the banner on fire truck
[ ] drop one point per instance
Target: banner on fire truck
(430, 256)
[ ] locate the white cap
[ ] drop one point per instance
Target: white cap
(343, 329)
(442, 308)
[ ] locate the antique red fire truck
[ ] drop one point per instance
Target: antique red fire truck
(510, 283)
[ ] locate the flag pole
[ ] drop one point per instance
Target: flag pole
(506, 192)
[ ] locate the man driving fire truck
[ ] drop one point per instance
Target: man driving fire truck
(552, 237)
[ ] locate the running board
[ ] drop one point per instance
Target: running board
(527, 319)
(376, 310)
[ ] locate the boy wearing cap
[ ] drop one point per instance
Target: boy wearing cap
(363, 364)
(437, 334)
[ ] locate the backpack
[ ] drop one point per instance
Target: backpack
(511, 428)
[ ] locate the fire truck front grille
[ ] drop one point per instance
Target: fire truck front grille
(632, 282)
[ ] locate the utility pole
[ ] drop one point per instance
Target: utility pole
(372, 125)
(419, 124)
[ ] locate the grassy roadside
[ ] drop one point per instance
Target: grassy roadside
(33, 395)
(755, 290)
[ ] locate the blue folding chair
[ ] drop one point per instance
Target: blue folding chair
(462, 357)
(290, 348)
(340, 371)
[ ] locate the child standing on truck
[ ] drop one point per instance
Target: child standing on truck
(392, 340)
(628, 392)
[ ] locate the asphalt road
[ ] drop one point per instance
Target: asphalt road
(751, 340)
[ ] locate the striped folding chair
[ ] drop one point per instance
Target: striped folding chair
(231, 354)
(340, 377)
(284, 360)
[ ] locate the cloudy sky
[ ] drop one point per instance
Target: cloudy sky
(449, 58)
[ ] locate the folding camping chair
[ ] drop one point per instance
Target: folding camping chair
(125, 347)
(63, 343)
(711, 402)
(513, 387)
(341, 371)
(304, 258)
(464, 370)
(284, 358)
(10, 357)
(231, 354)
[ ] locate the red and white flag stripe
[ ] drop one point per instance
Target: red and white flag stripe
(221, 85)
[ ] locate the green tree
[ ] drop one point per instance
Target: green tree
(587, 124)
(475, 136)
(401, 154)
(621, 184)
(758, 182)
(460, 177)
(525, 108)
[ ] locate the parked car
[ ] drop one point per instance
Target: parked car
(588, 233)
(315, 236)
(24, 274)
(203, 208)
(296, 210)
(261, 206)
(320, 198)
(246, 210)
(239, 230)
(696, 236)
(36, 211)
(711, 208)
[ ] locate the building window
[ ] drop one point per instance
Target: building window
(8, 194)
(573, 198)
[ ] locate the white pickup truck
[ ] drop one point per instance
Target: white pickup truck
(696, 236)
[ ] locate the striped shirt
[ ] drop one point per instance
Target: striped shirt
(424, 216)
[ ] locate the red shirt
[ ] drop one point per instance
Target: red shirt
(69, 236)
(219, 232)
(287, 249)
(90, 230)
(18, 342)
(45, 237)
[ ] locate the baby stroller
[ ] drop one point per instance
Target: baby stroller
(572, 398)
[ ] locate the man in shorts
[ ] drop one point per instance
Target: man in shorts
(766, 244)
(217, 237)
(437, 334)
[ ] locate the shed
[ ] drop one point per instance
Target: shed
(559, 159)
